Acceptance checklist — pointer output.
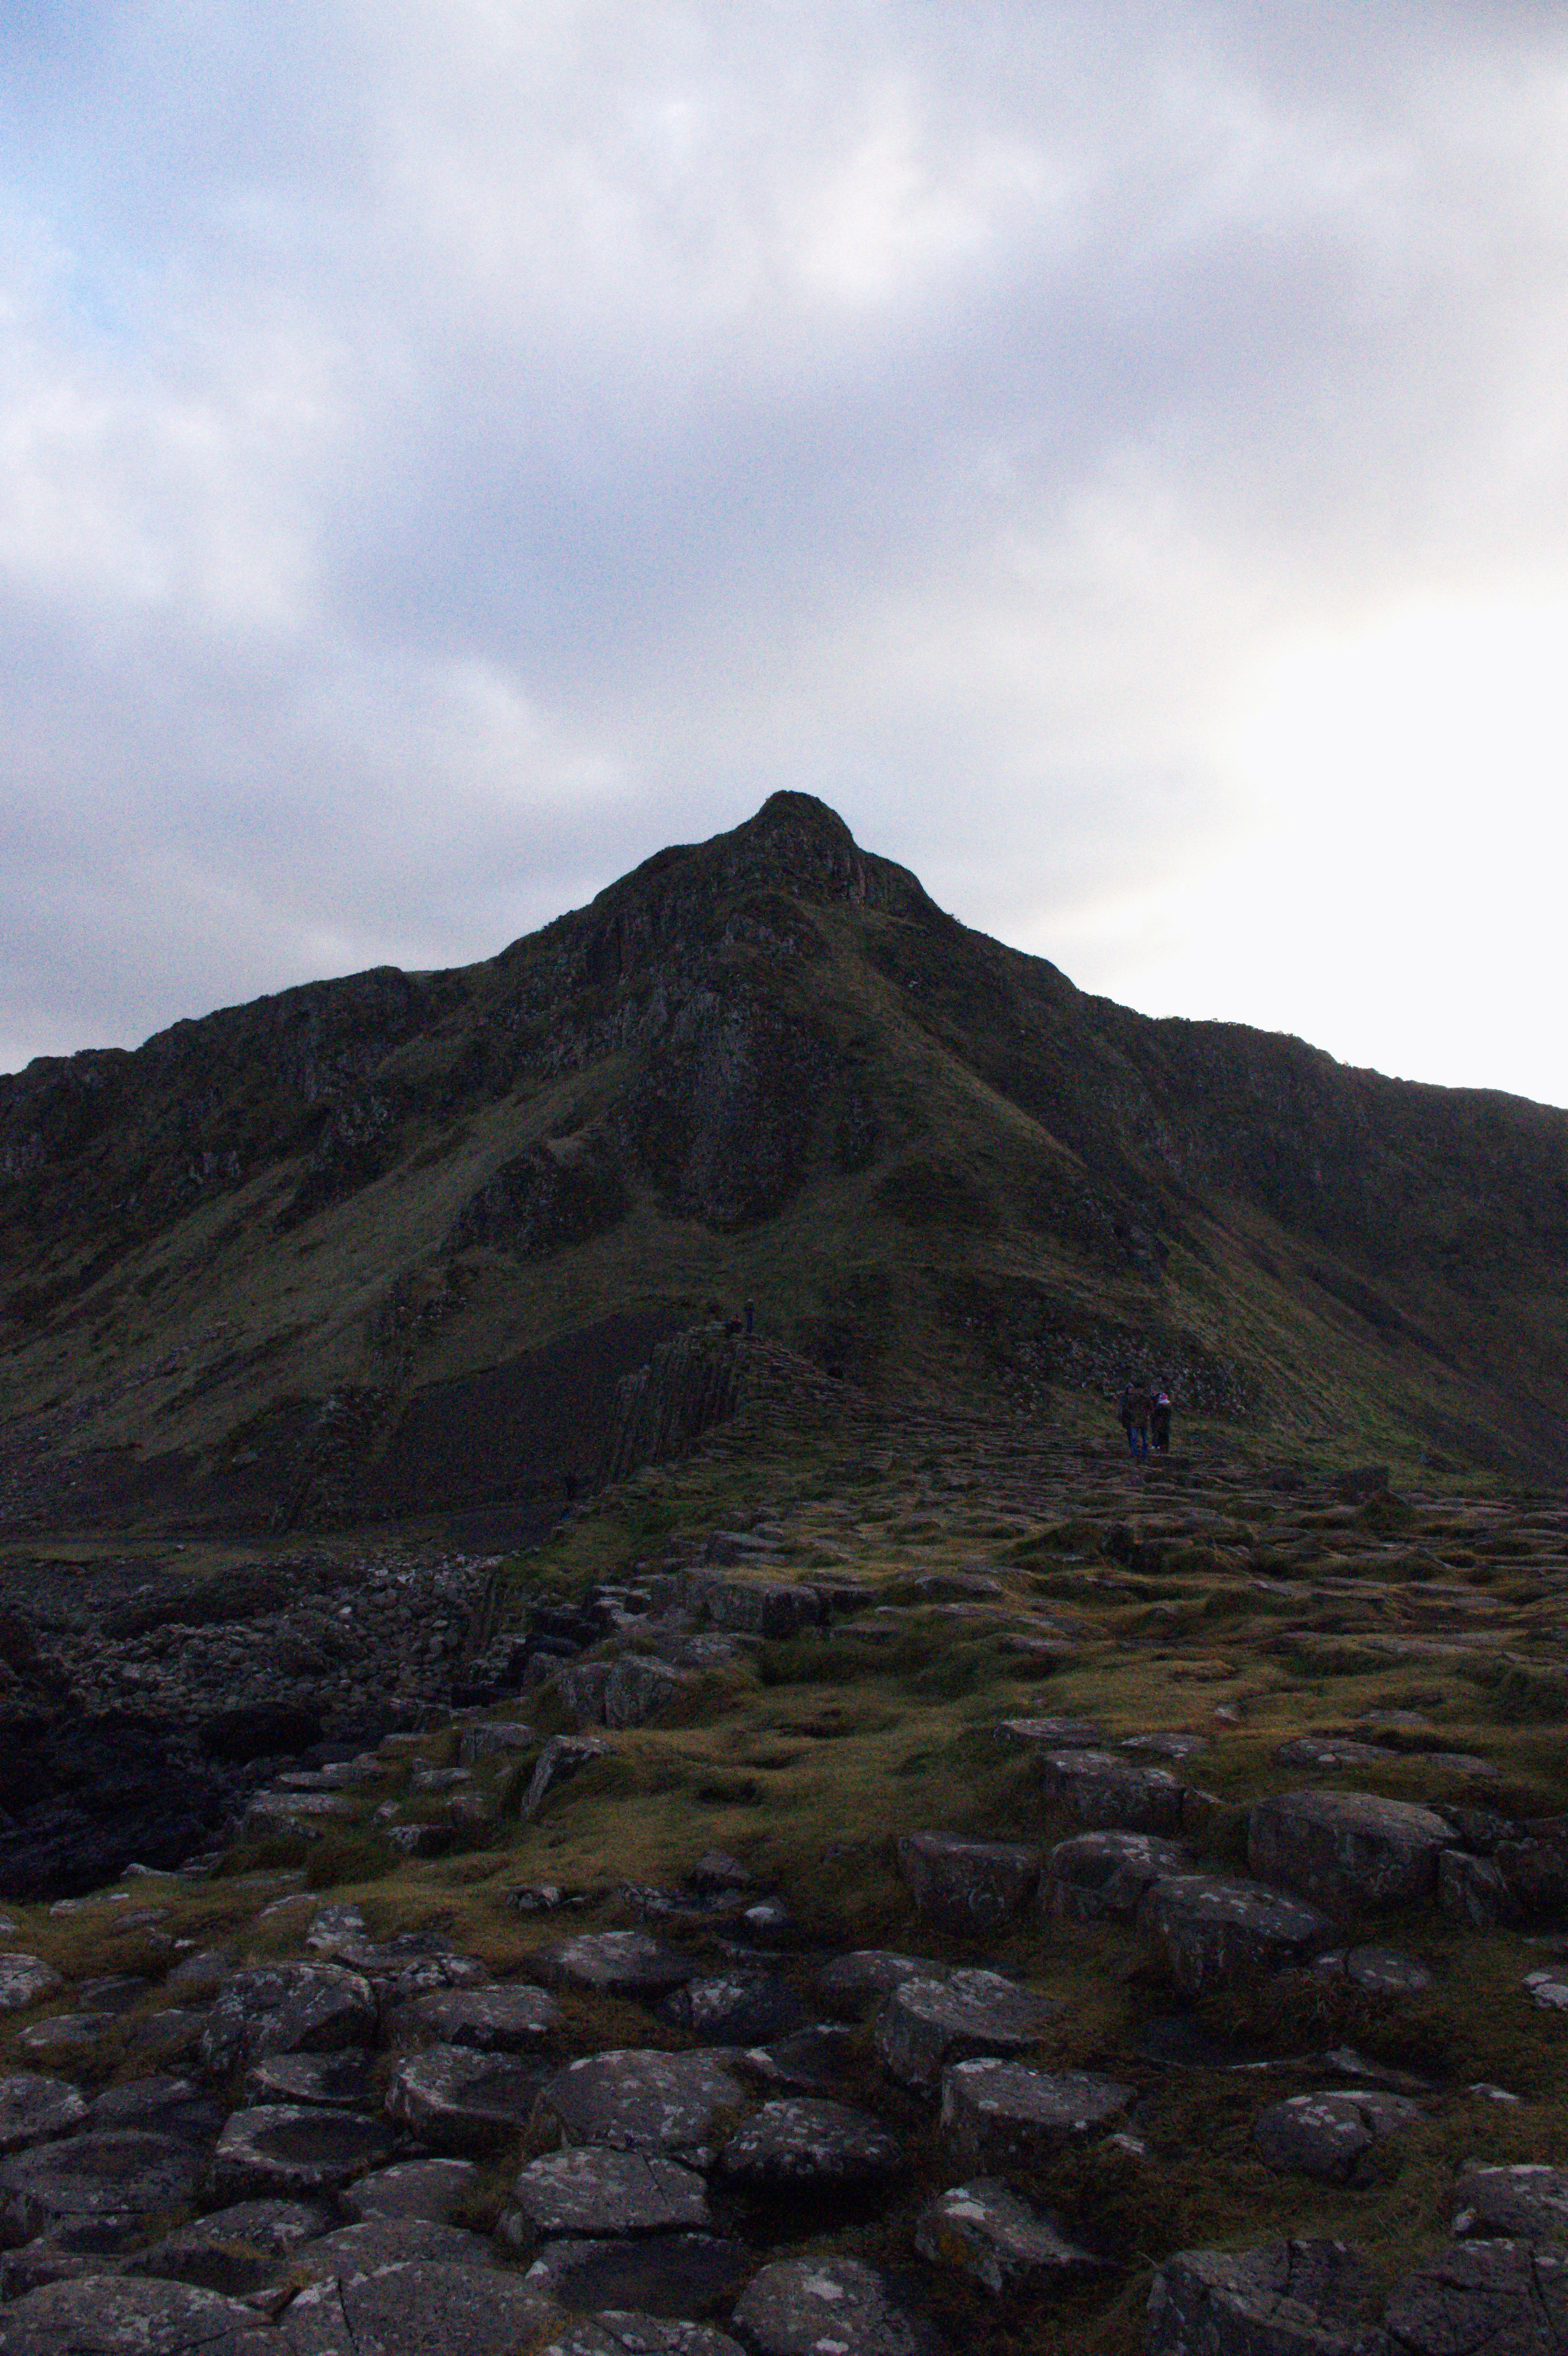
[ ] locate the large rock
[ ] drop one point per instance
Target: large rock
(355, 2251)
(104, 2180)
(997, 2117)
(235, 2250)
(601, 2194)
(435, 2190)
(419, 2310)
(676, 2105)
(287, 2009)
(816, 2060)
(750, 1607)
(25, 1980)
(1107, 1790)
(1285, 2299)
(967, 1884)
(1496, 2296)
(1099, 1875)
(665, 2273)
(35, 2109)
(925, 2024)
(985, 2230)
(459, 2100)
(1211, 1927)
(829, 2307)
(1525, 2204)
(161, 2105)
(1474, 1889)
(515, 2020)
(289, 2149)
(1331, 2137)
(856, 1983)
(625, 2331)
(617, 1963)
(639, 1690)
(563, 1756)
(803, 2146)
(735, 2007)
(1348, 1851)
(108, 2316)
(332, 2081)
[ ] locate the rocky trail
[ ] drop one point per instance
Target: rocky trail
(881, 1882)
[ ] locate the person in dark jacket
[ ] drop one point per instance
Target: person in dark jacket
(1159, 1423)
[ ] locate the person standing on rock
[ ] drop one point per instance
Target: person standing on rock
(1159, 1423)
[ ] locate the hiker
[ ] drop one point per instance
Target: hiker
(1142, 1408)
(1126, 1415)
(732, 1326)
(1159, 1423)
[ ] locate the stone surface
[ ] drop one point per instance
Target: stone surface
(1107, 1790)
(332, 2079)
(1383, 1971)
(1174, 1745)
(1283, 2298)
(1000, 2115)
(1051, 1734)
(602, 2194)
(1096, 1875)
(816, 2060)
(967, 1885)
(663, 2274)
(97, 2178)
(736, 2007)
(1329, 1750)
(829, 2307)
(1331, 2137)
(25, 1980)
(856, 1983)
(617, 1963)
(65, 2036)
(1213, 1927)
(1474, 1888)
(35, 2109)
(362, 2249)
(433, 2190)
(679, 2106)
(418, 2310)
(234, 2250)
(288, 2148)
(624, 2331)
(983, 2229)
(462, 2102)
(803, 2146)
(515, 2020)
(925, 2024)
(1346, 1851)
(1502, 2296)
(563, 1756)
(1525, 2204)
(108, 2316)
(287, 2009)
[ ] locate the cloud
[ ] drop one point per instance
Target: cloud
(448, 453)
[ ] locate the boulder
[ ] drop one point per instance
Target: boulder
(677, 2106)
(999, 2115)
(617, 1963)
(287, 2009)
(1211, 1927)
(563, 1756)
(1107, 1790)
(1498, 2296)
(25, 1980)
(1474, 1889)
(736, 2007)
(803, 2146)
(1533, 1861)
(625, 2331)
(640, 1690)
(334, 2081)
(1100, 1875)
(235, 2250)
(1284, 2298)
(1331, 2137)
(109, 2315)
(967, 1884)
(663, 2274)
(435, 2189)
(985, 2230)
(292, 2150)
(599, 2194)
(856, 1983)
(514, 2020)
(35, 2109)
(419, 2310)
(925, 2024)
(493, 1737)
(412, 1963)
(829, 2307)
(1348, 1851)
(100, 2180)
(459, 2101)
(1524, 2203)
(750, 1607)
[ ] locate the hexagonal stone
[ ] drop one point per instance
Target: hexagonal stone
(1097, 1875)
(803, 2145)
(35, 2109)
(663, 2274)
(925, 2024)
(1346, 1850)
(856, 1983)
(602, 2194)
(515, 2020)
(1523, 2203)
(1284, 2298)
(563, 1756)
(65, 2038)
(333, 2081)
(285, 2148)
(967, 1884)
(1331, 2137)
(1498, 2296)
(1329, 1750)
(617, 1963)
(737, 2007)
(236, 2250)
(418, 2310)
(457, 2100)
(102, 2179)
(829, 2307)
(287, 2009)
(1000, 2115)
(624, 2331)
(1107, 1790)
(682, 2105)
(355, 2251)
(25, 1980)
(412, 1963)
(432, 2188)
(107, 2315)
(983, 2229)
(816, 2060)
(1213, 1927)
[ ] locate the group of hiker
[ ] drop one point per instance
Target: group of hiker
(1145, 1414)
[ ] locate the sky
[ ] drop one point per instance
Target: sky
(1113, 451)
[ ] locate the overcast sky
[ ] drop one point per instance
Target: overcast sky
(1115, 451)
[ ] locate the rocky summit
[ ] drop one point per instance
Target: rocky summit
(536, 1816)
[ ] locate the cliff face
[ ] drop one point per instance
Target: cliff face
(299, 1258)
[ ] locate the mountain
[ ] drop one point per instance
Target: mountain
(388, 1243)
